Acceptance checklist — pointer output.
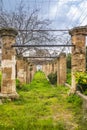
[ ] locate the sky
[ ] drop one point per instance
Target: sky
(64, 14)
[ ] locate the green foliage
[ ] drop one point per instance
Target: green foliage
(74, 99)
(22, 87)
(81, 80)
(69, 61)
(42, 107)
(53, 78)
(18, 84)
(68, 77)
(25, 87)
(81, 77)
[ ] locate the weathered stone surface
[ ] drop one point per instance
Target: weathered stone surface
(55, 66)
(78, 52)
(61, 69)
(22, 66)
(8, 85)
(32, 71)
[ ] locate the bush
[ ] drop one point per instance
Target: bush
(18, 84)
(53, 78)
(25, 87)
(81, 80)
(68, 78)
(75, 100)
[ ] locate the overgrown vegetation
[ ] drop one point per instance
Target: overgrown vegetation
(68, 80)
(81, 80)
(53, 78)
(42, 107)
(68, 68)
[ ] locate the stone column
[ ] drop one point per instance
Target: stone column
(61, 69)
(78, 61)
(52, 67)
(27, 72)
(55, 66)
(33, 71)
(47, 69)
(8, 63)
(43, 67)
(21, 70)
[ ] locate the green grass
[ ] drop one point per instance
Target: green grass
(42, 107)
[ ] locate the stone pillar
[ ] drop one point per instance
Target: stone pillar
(78, 61)
(55, 66)
(43, 68)
(33, 71)
(21, 70)
(52, 67)
(8, 63)
(47, 69)
(61, 69)
(27, 72)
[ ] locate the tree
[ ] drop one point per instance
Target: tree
(22, 19)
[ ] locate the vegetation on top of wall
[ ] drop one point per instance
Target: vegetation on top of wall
(52, 78)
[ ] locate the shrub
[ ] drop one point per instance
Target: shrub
(74, 99)
(68, 78)
(18, 84)
(53, 78)
(81, 80)
(25, 87)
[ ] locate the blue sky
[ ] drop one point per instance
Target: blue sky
(64, 14)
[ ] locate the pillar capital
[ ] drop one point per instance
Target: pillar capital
(82, 30)
(8, 32)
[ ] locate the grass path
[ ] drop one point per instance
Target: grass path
(41, 107)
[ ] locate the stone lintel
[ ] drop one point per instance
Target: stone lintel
(8, 32)
(82, 30)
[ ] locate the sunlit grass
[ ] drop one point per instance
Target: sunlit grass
(41, 107)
